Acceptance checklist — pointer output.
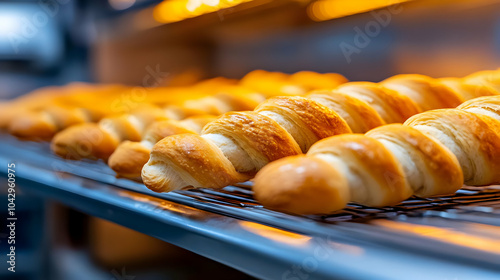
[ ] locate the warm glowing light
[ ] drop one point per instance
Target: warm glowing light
(330, 9)
(446, 235)
(275, 234)
(121, 4)
(177, 10)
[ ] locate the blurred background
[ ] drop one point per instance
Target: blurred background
(54, 42)
(45, 42)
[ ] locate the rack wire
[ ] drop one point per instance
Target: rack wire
(472, 212)
(479, 200)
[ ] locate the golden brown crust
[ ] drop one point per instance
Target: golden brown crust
(162, 129)
(122, 128)
(9, 114)
(32, 126)
(488, 79)
(360, 116)
(475, 141)
(392, 106)
(367, 158)
(487, 105)
(490, 144)
(313, 80)
(66, 117)
(257, 132)
(197, 123)
(301, 185)
(426, 92)
(272, 83)
(468, 91)
(148, 114)
(129, 158)
(87, 140)
(191, 154)
(440, 167)
(44, 124)
(240, 98)
(319, 119)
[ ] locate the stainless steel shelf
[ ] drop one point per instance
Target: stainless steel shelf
(432, 243)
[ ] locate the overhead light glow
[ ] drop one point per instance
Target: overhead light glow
(177, 10)
(330, 9)
(11, 23)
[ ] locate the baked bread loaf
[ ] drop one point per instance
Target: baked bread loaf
(488, 80)
(129, 158)
(487, 105)
(38, 100)
(468, 90)
(276, 83)
(428, 93)
(240, 144)
(433, 153)
(99, 140)
(43, 124)
(44, 112)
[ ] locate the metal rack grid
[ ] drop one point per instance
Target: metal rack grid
(354, 224)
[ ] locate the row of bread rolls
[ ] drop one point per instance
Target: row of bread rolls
(276, 83)
(94, 102)
(433, 153)
(46, 97)
(44, 112)
(110, 132)
(130, 156)
(234, 147)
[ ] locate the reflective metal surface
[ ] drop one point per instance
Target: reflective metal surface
(441, 238)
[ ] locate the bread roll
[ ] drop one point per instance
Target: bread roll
(286, 126)
(131, 127)
(433, 153)
(129, 158)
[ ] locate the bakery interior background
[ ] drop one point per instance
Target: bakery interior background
(116, 41)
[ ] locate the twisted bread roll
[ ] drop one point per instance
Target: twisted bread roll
(276, 83)
(488, 106)
(473, 139)
(42, 125)
(129, 158)
(434, 152)
(68, 143)
(38, 100)
(242, 143)
(239, 143)
(313, 81)
(42, 122)
(99, 140)
(85, 103)
(488, 80)
(428, 93)
(466, 89)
